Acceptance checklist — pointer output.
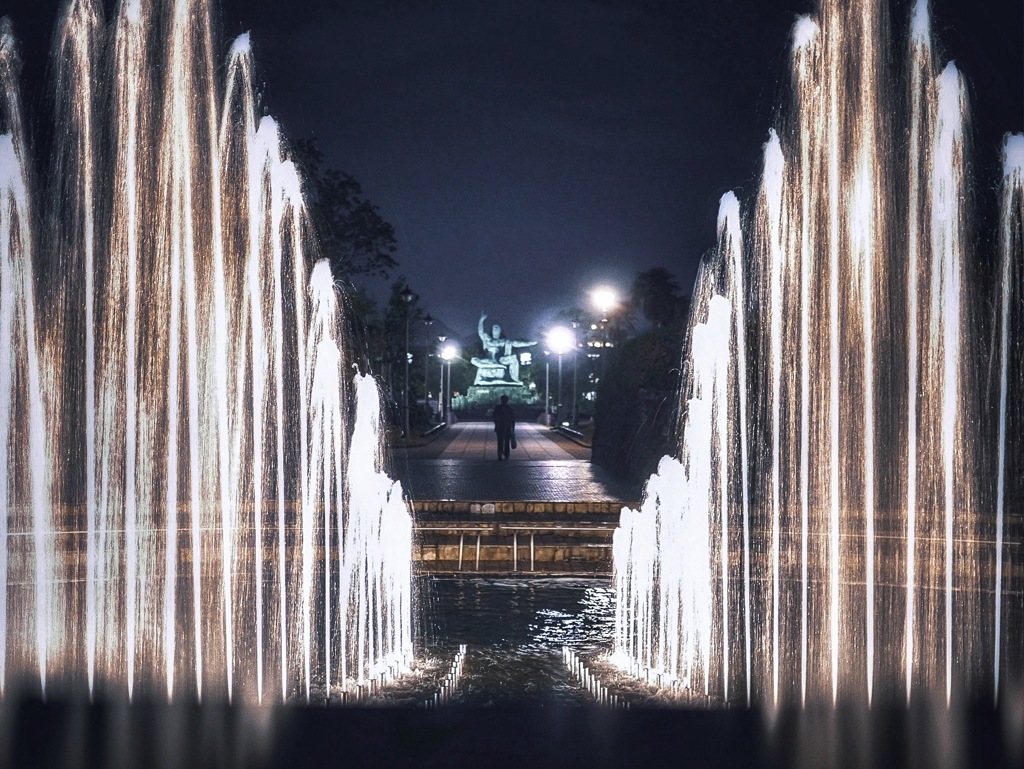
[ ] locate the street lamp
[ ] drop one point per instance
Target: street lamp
(440, 388)
(575, 380)
(547, 387)
(407, 297)
(604, 300)
(428, 320)
(560, 339)
(449, 353)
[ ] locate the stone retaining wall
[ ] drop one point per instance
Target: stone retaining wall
(539, 538)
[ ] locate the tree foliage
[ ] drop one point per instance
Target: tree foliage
(637, 404)
(365, 330)
(657, 295)
(353, 235)
(638, 396)
(378, 340)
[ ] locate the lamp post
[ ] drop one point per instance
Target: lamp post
(449, 353)
(428, 320)
(440, 387)
(407, 297)
(605, 300)
(560, 339)
(558, 398)
(575, 368)
(547, 387)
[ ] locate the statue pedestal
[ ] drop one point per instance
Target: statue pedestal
(479, 402)
(491, 375)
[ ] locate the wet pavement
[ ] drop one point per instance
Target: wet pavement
(462, 464)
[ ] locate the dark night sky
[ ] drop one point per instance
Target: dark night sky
(527, 149)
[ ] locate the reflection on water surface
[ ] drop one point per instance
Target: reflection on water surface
(514, 630)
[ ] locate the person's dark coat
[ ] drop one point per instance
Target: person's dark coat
(504, 418)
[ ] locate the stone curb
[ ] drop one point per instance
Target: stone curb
(425, 439)
(573, 435)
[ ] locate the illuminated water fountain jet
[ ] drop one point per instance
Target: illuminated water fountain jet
(1012, 283)
(876, 498)
(181, 448)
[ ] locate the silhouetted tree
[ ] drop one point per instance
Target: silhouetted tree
(353, 235)
(365, 329)
(637, 404)
(657, 295)
(393, 351)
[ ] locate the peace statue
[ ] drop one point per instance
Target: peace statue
(500, 365)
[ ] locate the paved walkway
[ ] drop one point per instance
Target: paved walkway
(475, 441)
(463, 464)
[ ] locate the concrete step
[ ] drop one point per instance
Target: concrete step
(508, 543)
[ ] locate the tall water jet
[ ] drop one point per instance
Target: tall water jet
(374, 555)
(832, 74)
(1012, 249)
(806, 52)
(128, 101)
(324, 361)
(946, 227)
(867, 236)
(175, 383)
(771, 197)
(75, 245)
(730, 239)
(921, 96)
(869, 501)
(17, 343)
(667, 617)
(21, 412)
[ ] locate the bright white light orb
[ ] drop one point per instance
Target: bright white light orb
(604, 298)
(561, 339)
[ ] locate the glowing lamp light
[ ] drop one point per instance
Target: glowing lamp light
(561, 339)
(449, 352)
(604, 298)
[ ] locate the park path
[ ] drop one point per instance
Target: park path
(462, 464)
(475, 441)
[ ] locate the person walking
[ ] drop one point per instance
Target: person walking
(504, 426)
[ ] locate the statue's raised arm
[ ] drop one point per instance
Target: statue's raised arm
(491, 341)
